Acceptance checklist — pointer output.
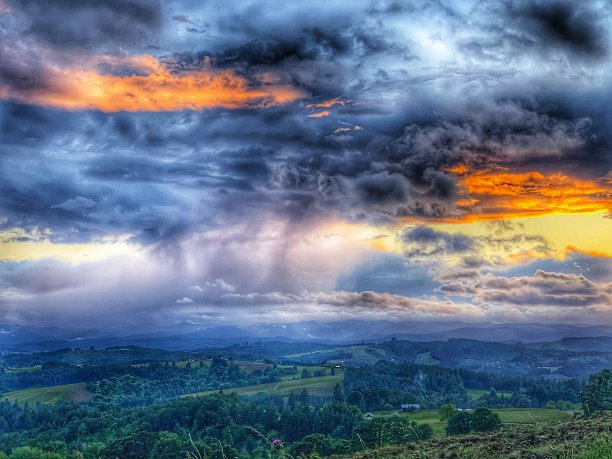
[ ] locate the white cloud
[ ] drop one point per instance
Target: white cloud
(221, 285)
(184, 300)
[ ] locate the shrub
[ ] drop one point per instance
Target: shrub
(447, 412)
(460, 424)
(485, 420)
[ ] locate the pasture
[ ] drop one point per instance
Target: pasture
(67, 392)
(531, 416)
(323, 385)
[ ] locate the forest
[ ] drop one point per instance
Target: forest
(140, 405)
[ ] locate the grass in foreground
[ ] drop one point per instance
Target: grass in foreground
(67, 392)
(582, 438)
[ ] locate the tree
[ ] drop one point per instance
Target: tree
(338, 394)
(304, 397)
(135, 446)
(356, 398)
(485, 420)
(169, 445)
(447, 412)
(597, 395)
(459, 424)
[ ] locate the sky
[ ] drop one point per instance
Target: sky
(185, 162)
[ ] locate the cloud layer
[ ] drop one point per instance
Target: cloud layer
(138, 136)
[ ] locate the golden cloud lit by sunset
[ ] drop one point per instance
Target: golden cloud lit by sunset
(150, 87)
(495, 195)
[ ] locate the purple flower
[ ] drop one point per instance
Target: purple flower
(276, 442)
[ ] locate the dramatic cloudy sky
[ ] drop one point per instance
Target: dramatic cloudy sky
(258, 161)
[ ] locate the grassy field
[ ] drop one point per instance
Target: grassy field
(23, 369)
(323, 385)
(523, 416)
(69, 392)
(245, 365)
(532, 415)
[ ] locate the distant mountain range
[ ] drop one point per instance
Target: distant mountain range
(188, 336)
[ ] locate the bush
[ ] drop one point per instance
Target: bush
(394, 431)
(460, 424)
(447, 412)
(320, 444)
(485, 420)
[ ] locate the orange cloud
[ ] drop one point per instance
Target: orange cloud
(152, 87)
(506, 195)
(322, 114)
(571, 249)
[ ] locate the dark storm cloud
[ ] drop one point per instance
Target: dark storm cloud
(221, 167)
(22, 67)
(100, 24)
(573, 25)
(218, 167)
(307, 60)
(517, 28)
(423, 240)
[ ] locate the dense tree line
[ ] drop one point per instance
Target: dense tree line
(157, 382)
(386, 385)
(142, 383)
(237, 426)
